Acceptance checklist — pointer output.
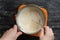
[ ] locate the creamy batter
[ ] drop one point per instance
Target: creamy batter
(29, 20)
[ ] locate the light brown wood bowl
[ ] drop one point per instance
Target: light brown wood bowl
(44, 12)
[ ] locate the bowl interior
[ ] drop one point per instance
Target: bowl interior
(30, 19)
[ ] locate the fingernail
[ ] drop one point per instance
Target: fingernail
(15, 25)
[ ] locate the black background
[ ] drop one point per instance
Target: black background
(8, 8)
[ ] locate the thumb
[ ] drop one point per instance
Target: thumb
(42, 33)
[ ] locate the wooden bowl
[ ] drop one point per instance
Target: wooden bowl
(42, 9)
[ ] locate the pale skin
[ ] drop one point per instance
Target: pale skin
(13, 34)
(49, 35)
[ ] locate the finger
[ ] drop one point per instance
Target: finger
(51, 32)
(18, 34)
(42, 32)
(47, 30)
(15, 28)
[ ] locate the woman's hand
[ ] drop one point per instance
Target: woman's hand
(49, 35)
(11, 34)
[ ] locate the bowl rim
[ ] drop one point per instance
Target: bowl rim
(41, 8)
